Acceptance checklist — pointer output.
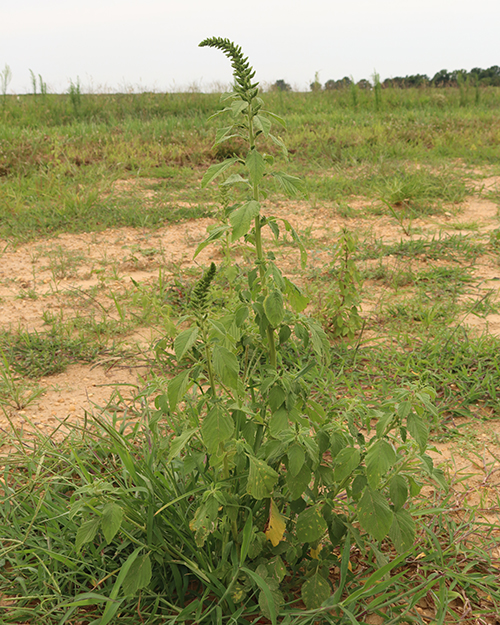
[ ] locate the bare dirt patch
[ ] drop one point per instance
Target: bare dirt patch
(49, 278)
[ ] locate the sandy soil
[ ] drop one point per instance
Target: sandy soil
(53, 276)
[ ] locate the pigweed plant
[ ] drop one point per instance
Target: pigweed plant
(259, 487)
(288, 484)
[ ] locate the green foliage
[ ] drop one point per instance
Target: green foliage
(339, 306)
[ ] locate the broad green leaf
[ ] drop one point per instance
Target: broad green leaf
(297, 300)
(345, 462)
(276, 398)
(398, 491)
(111, 520)
(86, 532)
(223, 134)
(263, 124)
(319, 339)
(264, 586)
(310, 525)
(315, 411)
(291, 185)
(241, 218)
(275, 117)
(296, 458)
(402, 532)
(217, 427)
(138, 576)
(379, 459)
(238, 106)
(176, 388)
(418, 429)
(216, 170)
(234, 179)
(276, 569)
(180, 442)
(184, 341)
(278, 421)
(274, 308)
(205, 520)
(277, 599)
(226, 366)
(298, 484)
(374, 513)
(261, 479)
(256, 166)
(315, 591)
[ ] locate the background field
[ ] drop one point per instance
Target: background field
(101, 211)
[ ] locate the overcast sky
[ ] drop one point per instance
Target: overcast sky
(117, 45)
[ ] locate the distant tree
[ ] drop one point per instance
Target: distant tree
(343, 83)
(281, 85)
(442, 79)
(364, 84)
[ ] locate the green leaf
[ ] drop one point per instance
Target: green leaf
(241, 218)
(180, 442)
(291, 185)
(298, 484)
(319, 339)
(418, 429)
(296, 458)
(86, 532)
(263, 124)
(238, 106)
(223, 134)
(112, 607)
(184, 341)
(275, 117)
(205, 520)
(111, 520)
(315, 591)
(277, 599)
(278, 142)
(345, 462)
(247, 535)
(310, 525)
(402, 532)
(276, 398)
(217, 427)
(256, 166)
(214, 171)
(226, 366)
(379, 459)
(264, 586)
(138, 576)
(176, 388)
(297, 300)
(295, 236)
(278, 421)
(261, 479)
(374, 513)
(214, 235)
(398, 491)
(274, 308)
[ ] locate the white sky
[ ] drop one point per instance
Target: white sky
(153, 44)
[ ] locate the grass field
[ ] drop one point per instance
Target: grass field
(101, 211)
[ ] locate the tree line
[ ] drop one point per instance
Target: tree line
(443, 78)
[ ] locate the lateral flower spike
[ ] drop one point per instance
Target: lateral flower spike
(243, 71)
